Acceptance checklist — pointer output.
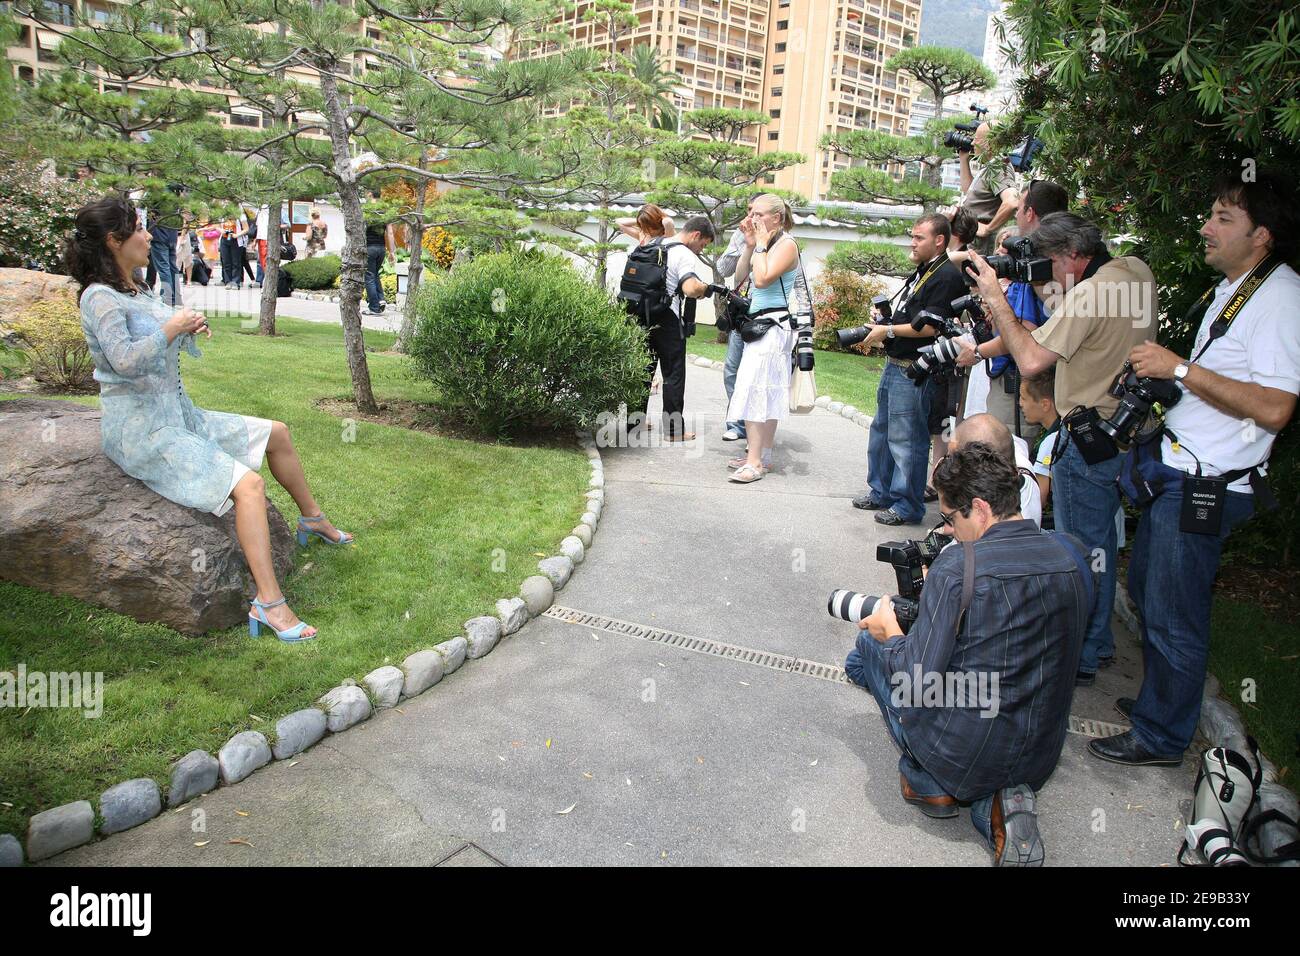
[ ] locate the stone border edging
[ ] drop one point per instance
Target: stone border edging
(133, 802)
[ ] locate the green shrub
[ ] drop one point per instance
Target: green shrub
(841, 300)
(57, 351)
(516, 343)
(318, 272)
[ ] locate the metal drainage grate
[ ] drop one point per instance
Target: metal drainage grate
(1084, 726)
(746, 655)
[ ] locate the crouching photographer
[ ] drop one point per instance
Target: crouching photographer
(1203, 476)
(976, 689)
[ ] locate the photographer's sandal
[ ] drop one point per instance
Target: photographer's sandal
(746, 474)
(942, 807)
(1013, 822)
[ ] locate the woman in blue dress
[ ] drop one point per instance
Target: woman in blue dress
(151, 429)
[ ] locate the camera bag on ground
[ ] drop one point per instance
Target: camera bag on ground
(644, 288)
(1226, 788)
(200, 272)
(284, 285)
(288, 252)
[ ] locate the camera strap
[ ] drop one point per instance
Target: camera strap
(1223, 321)
(967, 582)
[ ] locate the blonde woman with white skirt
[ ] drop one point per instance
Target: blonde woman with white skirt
(762, 394)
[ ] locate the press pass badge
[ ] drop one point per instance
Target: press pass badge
(1203, 501)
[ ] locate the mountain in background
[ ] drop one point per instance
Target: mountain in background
(956, 23)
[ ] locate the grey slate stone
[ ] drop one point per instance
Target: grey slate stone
(583, 533)
(482, 634)
(344, 707)
(11, 851)
(834, 407)
(243, 754)
(59, 828)
(538, 593)
(848, 411)
(385, 685)
(573, 549)
(597, 481)
(822, 401)
(596, 506)
(590, 520)
(423, 670)
(557, 570)
(129, 804)
(453, 653)
(295, 732)
(513, 613)
(193, 774)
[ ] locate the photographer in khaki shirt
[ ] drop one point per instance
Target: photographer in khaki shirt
(1100, 309)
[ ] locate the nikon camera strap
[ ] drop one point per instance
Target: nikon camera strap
(1249, 286)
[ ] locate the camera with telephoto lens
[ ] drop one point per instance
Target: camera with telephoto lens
(943, 351)
(735, 308)
(1136, 396)
(907, 559)
(964, 142)
(850, 337)
(1020, 264)
(973, 306)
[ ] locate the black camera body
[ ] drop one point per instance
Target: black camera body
(850, 337)
(1020, 264)
(1136, 396)
(964, 142)
(973, 306)
(907, 558)
(735, 309)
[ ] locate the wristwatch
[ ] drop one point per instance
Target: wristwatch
(1180, 371)
(889, 332)
(977, 352)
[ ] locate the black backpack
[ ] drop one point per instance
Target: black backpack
(644, 289)
(284, 287)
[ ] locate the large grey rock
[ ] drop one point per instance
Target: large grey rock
(129, 804)
(11, 851)
(243, 754)
(58, 829)
(573, 549)
(295, 732)
(482, 634)
(453, 653)
(538, 593)
(193, 774)
(557, 570)
(597, 481)
(590, 520)
(822, 401)
(72, 523)
(1220, 721)
(513, 613)
(422, 669)
(19, 288)
(848, 411)
(344, 707)
(583, 533)
(385, 685)
(596, 506)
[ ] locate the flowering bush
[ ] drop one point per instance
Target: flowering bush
(438, 243)
(57, 351)
(841, 300)
(36, 209)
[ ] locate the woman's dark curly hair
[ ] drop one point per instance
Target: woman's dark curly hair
(86, 253)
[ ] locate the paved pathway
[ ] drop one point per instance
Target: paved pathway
(572, 743)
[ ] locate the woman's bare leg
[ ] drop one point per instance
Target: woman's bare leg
(287, 469)
(761, 435)
(255, 538)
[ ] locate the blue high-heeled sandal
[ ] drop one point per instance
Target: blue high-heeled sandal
(257, 620)
(305, 532)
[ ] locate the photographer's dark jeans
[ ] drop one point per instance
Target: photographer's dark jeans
(230, 257)
(668, 348)
(1171, 580)
(374, 293)
(898, 450)
(865, 666)
(162, 258)
(735, 349)
(1084, 500)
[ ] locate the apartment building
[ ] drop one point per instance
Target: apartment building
(815, 66)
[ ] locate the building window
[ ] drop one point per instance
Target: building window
(25, 37)
(778, 69)
(775, 114)
(770, 180)
(46, 54)
(774, 135)
(776, 91)
(243, 119)
(780, 48)
(63, 13)
(783, 24)
(27, 74)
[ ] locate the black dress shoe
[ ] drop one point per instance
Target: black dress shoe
(890, 517)
(1124, 748)
(867, 502)
(1125, 706)
(1085, 678)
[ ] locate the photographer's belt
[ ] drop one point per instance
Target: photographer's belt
(901, 363)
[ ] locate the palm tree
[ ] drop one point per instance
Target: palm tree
(657, 87)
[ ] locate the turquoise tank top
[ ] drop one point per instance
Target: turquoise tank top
(774, 296)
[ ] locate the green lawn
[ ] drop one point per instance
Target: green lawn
(428, 513)
(844, 376)
(1248, 645)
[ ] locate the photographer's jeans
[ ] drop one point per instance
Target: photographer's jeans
(735, 348)
(898, 451)
(1171, 580)
(865, 666)
(1084, 500)
(374, 293)
(162, 256)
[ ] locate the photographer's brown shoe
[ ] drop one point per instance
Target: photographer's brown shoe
(940, 808)
(1013, 820)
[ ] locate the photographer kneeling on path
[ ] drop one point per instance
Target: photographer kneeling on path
(1002, 610)
(1202, 477)
(1102, 308)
